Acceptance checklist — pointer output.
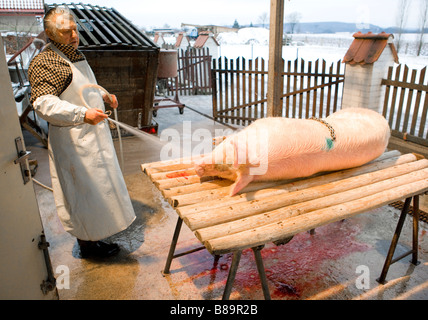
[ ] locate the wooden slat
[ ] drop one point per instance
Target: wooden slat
(232, 89)
(321, 103)
(287, 79)
(385, 103)
(289, 227)
(244, 95)
(302, 206)
(394, 98)
(409, 103)
(263, 90)
(256, 107)
(401, 100)
(314, 101)
(308, 93)
(260, 205)
(214, 90)
(417, 102)
(237, 113)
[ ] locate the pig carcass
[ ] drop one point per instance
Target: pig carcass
(278, 148)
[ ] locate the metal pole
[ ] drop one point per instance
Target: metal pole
(394, 241)
(232, 273)
(415, 230)
(173, 245)
(262, 273)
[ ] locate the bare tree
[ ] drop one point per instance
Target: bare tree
(403, 7)
(293, 20)
(263, 18)
(22, 30)
(423, 23)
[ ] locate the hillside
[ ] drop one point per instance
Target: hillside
(334, 27)
(329, 27)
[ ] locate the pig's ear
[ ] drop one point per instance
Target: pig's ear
(241, 182)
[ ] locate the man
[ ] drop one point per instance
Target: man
(89, 190)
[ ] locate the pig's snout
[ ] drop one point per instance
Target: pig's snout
(200, 171)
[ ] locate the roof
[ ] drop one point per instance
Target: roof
(105, 28)
(367, 48)
(180, 38)
(202, 39)
(158, 37)
(22, 6)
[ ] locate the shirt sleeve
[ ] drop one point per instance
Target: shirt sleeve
(59, 112)
(48, 78)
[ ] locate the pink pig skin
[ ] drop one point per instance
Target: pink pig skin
(283, 148)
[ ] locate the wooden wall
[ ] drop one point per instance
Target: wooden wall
(131, 76)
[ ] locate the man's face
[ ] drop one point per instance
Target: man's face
(66, 31)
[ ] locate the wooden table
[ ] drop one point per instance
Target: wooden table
(276, 211)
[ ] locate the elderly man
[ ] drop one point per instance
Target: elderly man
(89, 190)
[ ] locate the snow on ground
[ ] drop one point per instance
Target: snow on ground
(251, 43)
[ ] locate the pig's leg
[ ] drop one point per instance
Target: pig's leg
(241, 182)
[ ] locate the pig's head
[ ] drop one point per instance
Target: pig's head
(220, 162)
(223, 162)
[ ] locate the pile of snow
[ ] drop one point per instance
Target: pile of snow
(245, 36)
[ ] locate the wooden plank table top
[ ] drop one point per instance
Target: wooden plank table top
(272, 211)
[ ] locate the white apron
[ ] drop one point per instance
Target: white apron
(90, 193)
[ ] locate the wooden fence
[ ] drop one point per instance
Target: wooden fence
(194, 72)
(406, 103)
(240, 88)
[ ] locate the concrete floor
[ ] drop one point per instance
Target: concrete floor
(327, 265)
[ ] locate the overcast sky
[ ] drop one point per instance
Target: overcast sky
(157, 13)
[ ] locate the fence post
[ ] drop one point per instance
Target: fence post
(274, 105)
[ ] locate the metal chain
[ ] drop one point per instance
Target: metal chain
(330, 128)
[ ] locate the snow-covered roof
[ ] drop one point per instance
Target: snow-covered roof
(23, 6)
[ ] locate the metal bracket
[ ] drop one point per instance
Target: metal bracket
(22, 159)
(50, 283)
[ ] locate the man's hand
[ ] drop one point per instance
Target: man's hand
(94, 116)
(113, 103)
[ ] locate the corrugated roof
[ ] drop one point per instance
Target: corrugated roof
(367, 48)
(101, 27)
(35, 6)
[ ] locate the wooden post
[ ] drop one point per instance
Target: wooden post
(274, 105)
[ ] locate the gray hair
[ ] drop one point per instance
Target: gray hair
(48, 22)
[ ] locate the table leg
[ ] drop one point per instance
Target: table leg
(173, 245)
(232, 273)
(388, 260)
(262, 273)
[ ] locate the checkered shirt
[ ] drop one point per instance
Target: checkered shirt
(49, 73)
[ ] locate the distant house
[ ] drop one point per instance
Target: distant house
(207, 40)
(21, 16)
(183, 41)
(158, 39)
(212, 28)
